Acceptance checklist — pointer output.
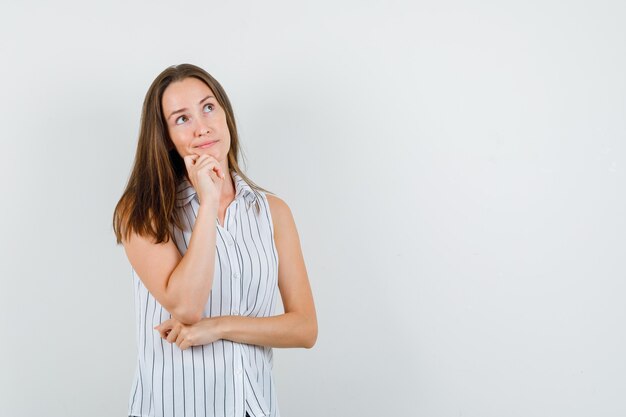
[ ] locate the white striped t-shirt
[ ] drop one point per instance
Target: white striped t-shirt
(224, 378)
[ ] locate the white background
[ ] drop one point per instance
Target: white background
(456, 171)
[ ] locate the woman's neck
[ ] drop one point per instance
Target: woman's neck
(228, 188)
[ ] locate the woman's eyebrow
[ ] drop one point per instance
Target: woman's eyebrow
(185, 109)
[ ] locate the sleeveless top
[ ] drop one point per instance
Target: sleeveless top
(223, 378)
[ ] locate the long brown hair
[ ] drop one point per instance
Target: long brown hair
(147, 206)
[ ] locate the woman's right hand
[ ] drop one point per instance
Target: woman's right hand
(206, 176)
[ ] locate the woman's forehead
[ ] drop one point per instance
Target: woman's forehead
(187, 91)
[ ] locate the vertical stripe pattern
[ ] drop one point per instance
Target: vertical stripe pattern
(224, 378)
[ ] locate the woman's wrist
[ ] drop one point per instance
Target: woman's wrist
(208, 208)
(221, 325)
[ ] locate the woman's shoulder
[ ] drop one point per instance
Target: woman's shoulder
(281, 213)
(277, 205)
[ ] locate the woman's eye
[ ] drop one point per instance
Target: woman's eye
(208, 107)
(180, 120)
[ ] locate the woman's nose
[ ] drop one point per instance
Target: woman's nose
(202, 128)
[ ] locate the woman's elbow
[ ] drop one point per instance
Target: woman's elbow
(310, 336)
(187, 315)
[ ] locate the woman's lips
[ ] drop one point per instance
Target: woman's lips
(206, 144)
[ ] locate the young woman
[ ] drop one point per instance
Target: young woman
(208, 249)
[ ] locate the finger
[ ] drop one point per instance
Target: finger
(164, 328)
(220, 173)
(205, 157)
(206, 161)
(180, 339)
(212, 166)
(213, 175)
(173, 335)
(167, 324)
(190, 159)
(184, 345)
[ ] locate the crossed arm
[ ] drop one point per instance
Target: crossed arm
(297, 327)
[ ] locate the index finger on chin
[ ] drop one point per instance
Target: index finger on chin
(190, 159)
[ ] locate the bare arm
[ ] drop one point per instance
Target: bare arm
(297, 327)
(181, 284)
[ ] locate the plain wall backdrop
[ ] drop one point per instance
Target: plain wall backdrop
(456, 170)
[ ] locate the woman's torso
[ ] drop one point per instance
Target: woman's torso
(223, 378)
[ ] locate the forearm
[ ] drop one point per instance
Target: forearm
(282, 331)
(190, 283)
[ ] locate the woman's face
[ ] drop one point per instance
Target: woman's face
(195, 121)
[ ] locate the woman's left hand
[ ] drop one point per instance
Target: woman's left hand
(201, 333)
